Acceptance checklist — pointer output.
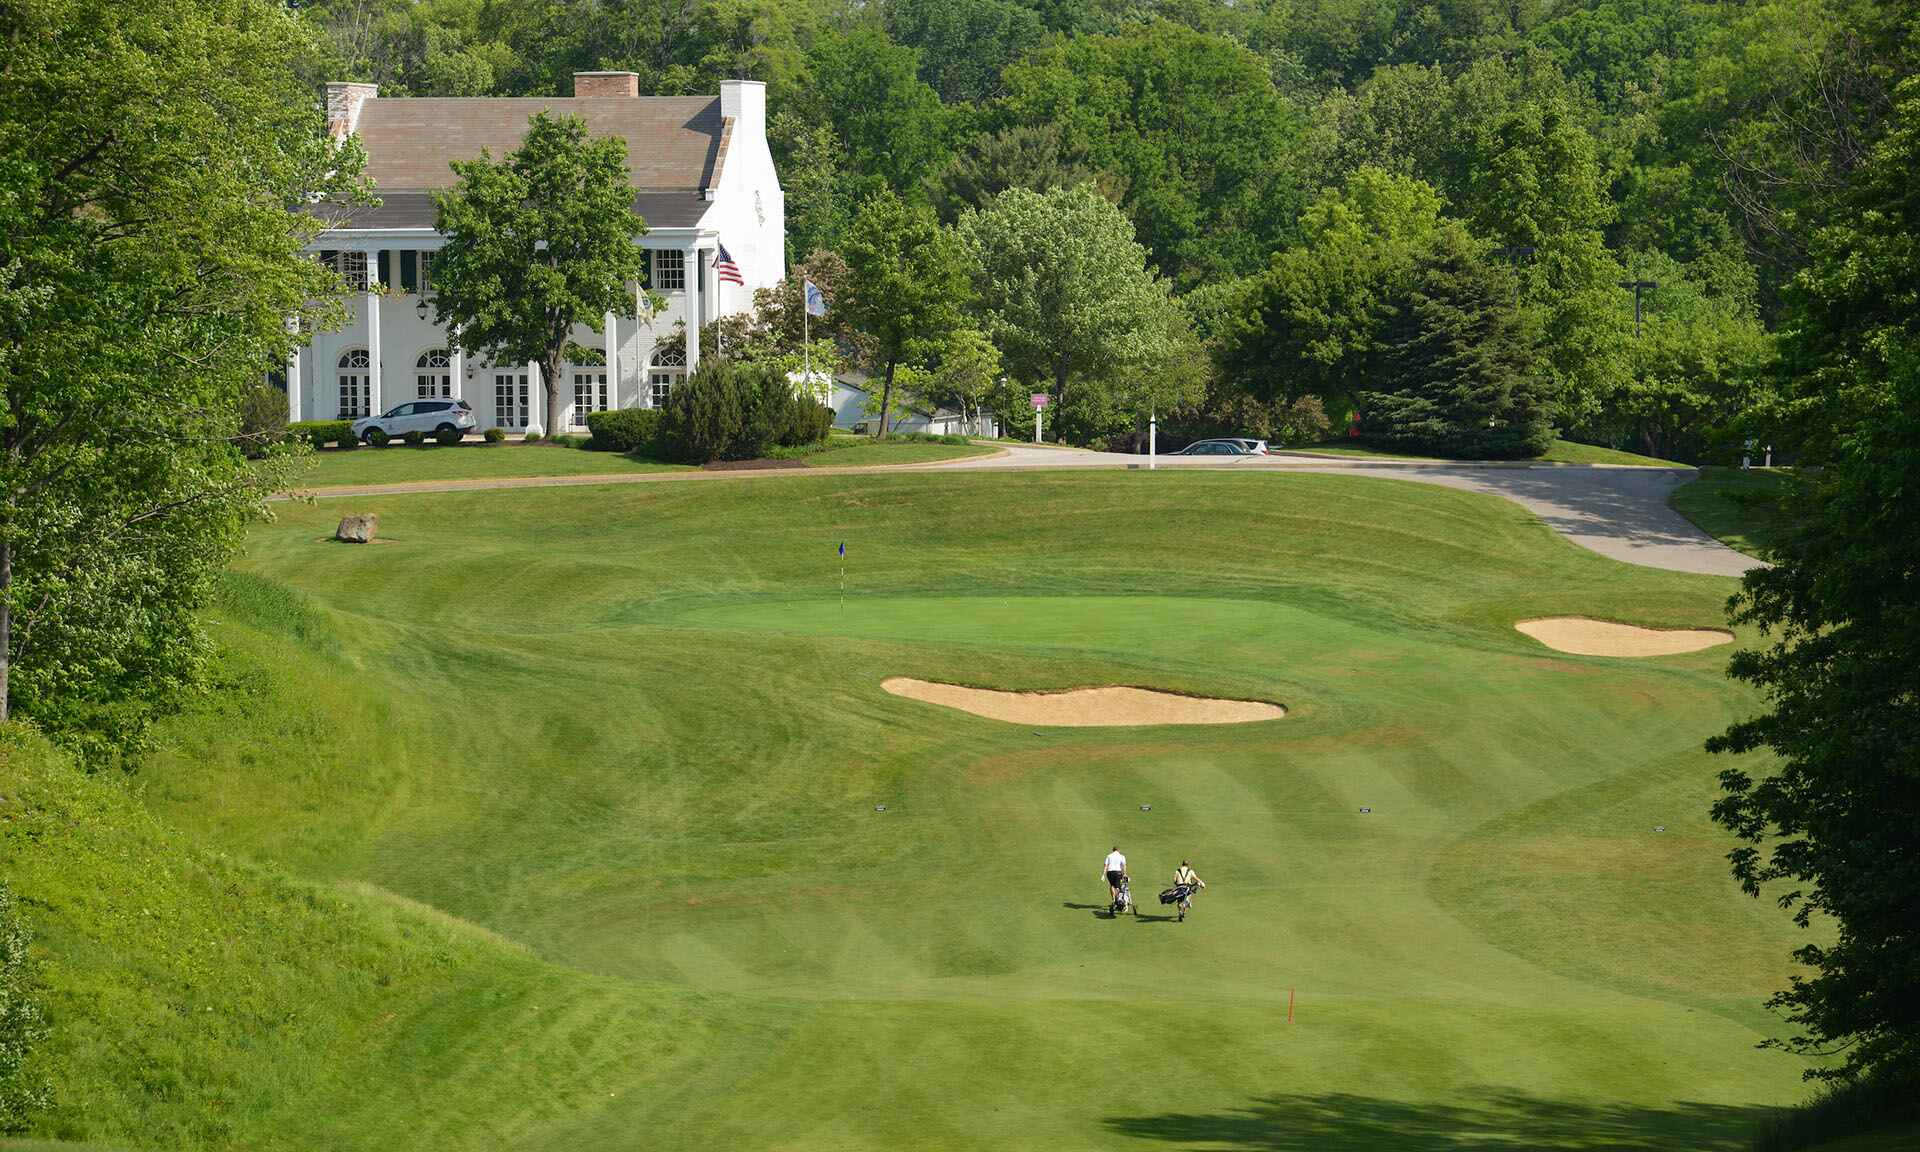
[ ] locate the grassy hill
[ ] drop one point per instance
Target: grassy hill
(551, 821)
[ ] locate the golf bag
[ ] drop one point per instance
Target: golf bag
(1176, 894)
(1124, 900)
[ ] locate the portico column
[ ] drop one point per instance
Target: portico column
(293, 371)
(457, 359)
(374, 405)
(613, 361)
(536, 401)
(693, 309)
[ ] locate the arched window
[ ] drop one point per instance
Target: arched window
(355, 383)
(433, 374)
(668, 366)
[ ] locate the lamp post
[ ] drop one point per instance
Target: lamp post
(1637, 287)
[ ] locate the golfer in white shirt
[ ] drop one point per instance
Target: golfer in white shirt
(1114, 867)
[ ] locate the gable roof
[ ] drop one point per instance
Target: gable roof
(673, 142)
(676, 146)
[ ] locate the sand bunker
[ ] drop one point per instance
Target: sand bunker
(1599, 638)
(1086, 707)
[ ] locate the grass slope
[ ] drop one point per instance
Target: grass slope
(613, 756)
(1740, 508)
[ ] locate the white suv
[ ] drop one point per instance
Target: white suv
(444, 420)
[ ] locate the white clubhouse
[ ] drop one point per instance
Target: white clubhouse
(703, 178)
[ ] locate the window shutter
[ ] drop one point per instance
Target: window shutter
(385, 266)
(409, 277)
(646, 267)
(330, 258)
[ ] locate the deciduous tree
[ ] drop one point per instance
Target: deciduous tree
(537, 244)
(906, 285)
(1066, 294)
(153, 157)
(1834, 824)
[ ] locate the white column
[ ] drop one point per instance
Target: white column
(536, 401)
(374, 399)
(613, 360)
(459, 370)
(293, 371)
(693, 309)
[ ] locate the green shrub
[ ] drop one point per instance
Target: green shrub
(321, 433)
(624, 429)
(21, 1024)
(449, 436)
(531, 437)
(728, 411)
(378, 437)
(569, 440)
(705, 418)
(807, 422)
(415, 439)
(494, 435)
(263, 419)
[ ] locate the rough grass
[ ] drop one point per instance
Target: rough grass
(1560, 452)
(1740, 508)
(590, 776)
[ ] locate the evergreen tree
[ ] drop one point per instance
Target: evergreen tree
(1461, 373)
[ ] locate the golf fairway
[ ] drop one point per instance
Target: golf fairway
(629, 744)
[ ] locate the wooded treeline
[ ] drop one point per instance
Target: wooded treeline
(1300, 172)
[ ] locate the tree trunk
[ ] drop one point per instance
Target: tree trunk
(886, 402)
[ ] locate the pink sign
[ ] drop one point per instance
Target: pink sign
(1039, 401)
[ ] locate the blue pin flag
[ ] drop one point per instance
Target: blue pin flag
(843, 549)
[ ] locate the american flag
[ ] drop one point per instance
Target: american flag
(726, 269)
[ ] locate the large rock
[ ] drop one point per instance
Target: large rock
(359, 528)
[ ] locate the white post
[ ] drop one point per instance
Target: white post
(459, 370)
(1039, 415)
(1153, 438)
(613, 360)
(374, 405)
(536, 401)
(693, 309)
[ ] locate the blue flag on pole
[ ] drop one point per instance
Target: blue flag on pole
(816, 300)
(843, 549)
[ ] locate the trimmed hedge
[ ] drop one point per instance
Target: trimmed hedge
(321, 433)
(624, 429)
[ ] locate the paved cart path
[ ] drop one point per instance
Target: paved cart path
(1619, 512)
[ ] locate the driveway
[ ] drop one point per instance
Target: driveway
(1618, 512)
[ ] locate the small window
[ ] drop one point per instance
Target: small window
(669, 270)
(589, 395)
(353, 268)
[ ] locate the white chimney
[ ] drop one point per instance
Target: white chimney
(745, 103)
(344, 101)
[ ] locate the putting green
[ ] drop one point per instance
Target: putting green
(635, 737)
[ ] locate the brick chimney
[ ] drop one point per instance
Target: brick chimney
(344, 101)
(606, 85)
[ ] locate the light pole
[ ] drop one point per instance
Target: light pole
(1637, 287)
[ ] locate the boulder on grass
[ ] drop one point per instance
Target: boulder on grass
(360, 528)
